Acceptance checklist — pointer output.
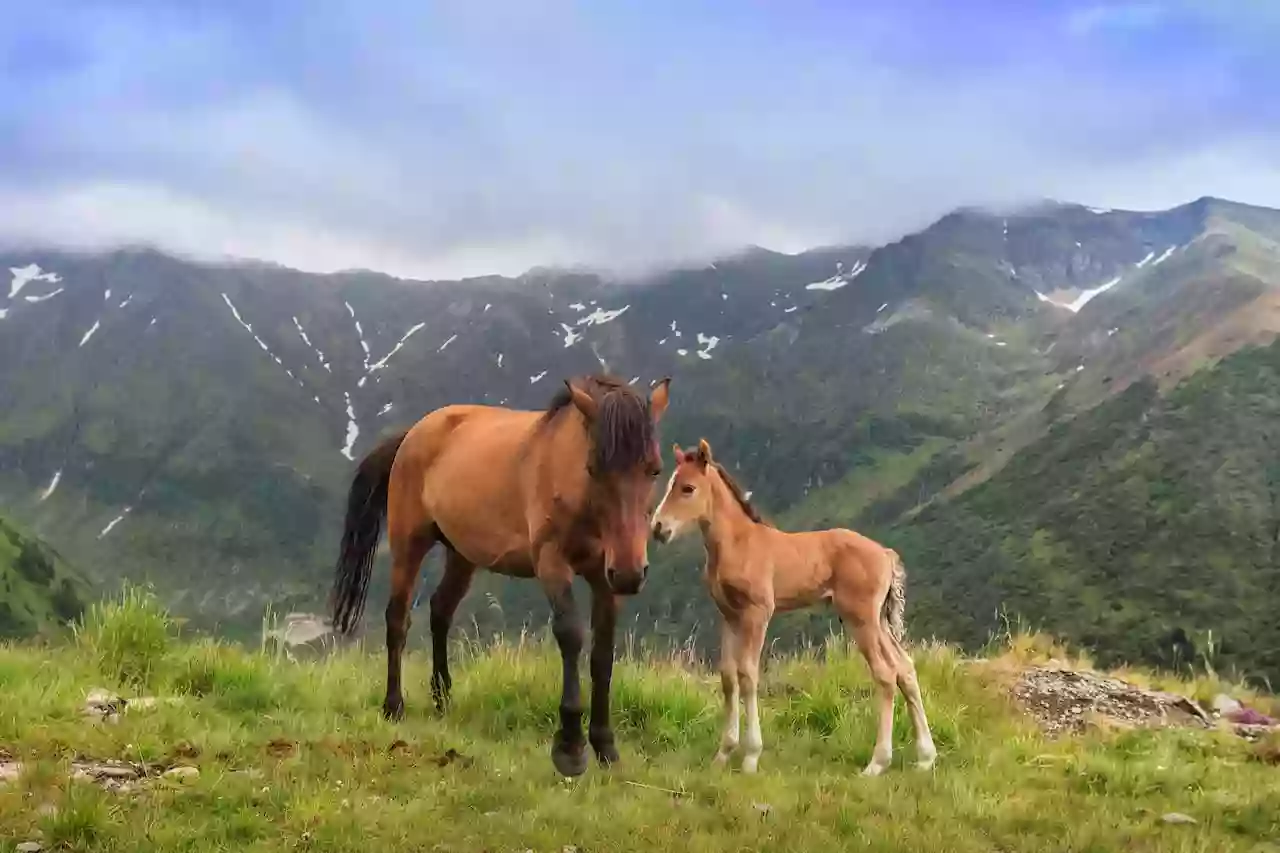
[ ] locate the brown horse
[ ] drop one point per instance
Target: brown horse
(754, 570)
(544, 495)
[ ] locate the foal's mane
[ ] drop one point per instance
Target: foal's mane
(623, 435)
(739, 495)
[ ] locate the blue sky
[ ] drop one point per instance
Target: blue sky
(439, 138)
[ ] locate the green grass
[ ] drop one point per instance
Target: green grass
(297, 757)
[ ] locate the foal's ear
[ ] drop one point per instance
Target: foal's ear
(583, 401)
(659, 397)
(704, 452)
(675, 448)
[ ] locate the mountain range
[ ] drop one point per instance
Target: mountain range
(1060, 413)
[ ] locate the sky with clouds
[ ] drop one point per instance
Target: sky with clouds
(445, 138)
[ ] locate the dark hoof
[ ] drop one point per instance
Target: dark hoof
(608, 754)
(393, 709)
(569, 761)
(605, 749)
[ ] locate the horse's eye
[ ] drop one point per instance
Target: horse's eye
(655, 471)
(688, 489)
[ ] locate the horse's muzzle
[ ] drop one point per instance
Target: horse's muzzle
(626, 583)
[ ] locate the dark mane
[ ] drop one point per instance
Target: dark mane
(739, 495)
(623, 436)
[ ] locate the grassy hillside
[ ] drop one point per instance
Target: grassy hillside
(38, 592)
(296, 756)
(1146, 528)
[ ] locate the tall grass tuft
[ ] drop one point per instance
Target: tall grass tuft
(127, 638)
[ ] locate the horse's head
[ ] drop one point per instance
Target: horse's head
(689, 495)
(624, 464)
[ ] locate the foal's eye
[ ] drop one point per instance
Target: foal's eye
(688, 489)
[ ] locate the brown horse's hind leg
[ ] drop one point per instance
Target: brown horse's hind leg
(407, 553)
(449, 593)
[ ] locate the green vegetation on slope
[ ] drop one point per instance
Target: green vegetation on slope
(1147, 529)
(38, 592)
(298, 757)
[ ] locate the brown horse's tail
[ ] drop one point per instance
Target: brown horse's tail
(895, 603)
(366, 509)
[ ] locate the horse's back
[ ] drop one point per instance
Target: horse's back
(461, 464)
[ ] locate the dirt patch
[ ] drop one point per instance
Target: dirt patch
(1064, 700)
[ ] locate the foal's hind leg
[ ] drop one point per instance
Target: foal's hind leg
(449, 593)
(926, 752)
(407, 553)
(880, 652)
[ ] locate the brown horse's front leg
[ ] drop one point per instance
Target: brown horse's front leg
(568, 751)
(604, 619)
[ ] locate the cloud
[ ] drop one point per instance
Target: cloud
(1115, 16)
(462, 137)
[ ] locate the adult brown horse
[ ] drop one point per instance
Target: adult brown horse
(526, 494)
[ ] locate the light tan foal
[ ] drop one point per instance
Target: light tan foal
(754, 570)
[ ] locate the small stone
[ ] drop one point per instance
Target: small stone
(115, 771)
(182, 773)
(763, 808)
(1177, 817)
(1224, 704)
(10, 771)
(29, 847)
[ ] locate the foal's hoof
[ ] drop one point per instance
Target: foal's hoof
(873, 769)
(569, 760)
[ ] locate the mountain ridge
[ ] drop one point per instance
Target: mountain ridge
(200, 421)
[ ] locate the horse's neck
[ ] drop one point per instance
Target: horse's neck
(727, 533)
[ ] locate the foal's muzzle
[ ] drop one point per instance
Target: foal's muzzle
(660, 533)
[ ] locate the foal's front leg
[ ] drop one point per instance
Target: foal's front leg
(750, 646)
(729, 689)
(604, 620)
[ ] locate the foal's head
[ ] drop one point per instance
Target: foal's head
(624, 464)
(690, 497)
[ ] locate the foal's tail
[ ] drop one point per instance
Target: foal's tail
(366, 509)
(895, 603)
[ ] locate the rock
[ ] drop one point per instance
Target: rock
(182, 773)
(1177, 817)
(307, 635)
(148, 703)
(10, 771)
(1064, 700)
(1224, 704)
(763, 808)
(103, 705)
(29, 847)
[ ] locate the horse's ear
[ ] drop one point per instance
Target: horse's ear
(704, 452)
(583, 401)
(659, 397)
